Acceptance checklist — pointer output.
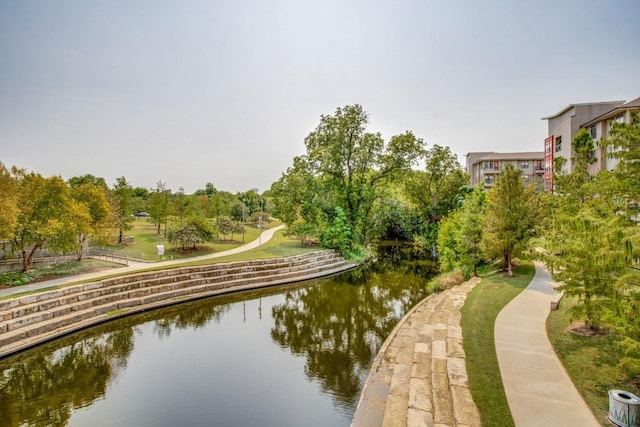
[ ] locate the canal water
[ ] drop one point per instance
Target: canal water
(294, 355)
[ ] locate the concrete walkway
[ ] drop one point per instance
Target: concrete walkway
(539, 390)
(138, 266)
(419, 376)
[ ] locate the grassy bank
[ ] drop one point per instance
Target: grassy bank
(145, 239)
(54, 271)
(590, 361)
(479, 314)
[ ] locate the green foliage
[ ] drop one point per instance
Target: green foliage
(345, 166)
(338, 235)
(159, 205)
(623, 144)
(592, 241)
(460, 235)
(225, 225)
(8, 203)
(511, 217)
(48, 217)
(190, 232)
(122, 198)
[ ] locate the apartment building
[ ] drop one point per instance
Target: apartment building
(595, 117)
(483, 167)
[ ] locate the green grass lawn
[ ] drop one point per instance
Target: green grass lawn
(590, 361)
(54, 271)
(145, 240)
(479, 314)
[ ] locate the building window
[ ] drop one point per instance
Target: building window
(524, 165)
(558, 144)
(526, 179)
(539, 165)
(617, 119)
(593, 130)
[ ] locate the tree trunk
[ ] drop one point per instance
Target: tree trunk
(509, 266)
(27, 259)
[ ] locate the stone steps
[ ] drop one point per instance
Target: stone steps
(419, 376)
(32, 319)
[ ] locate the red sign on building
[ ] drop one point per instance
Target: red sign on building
(548, 164)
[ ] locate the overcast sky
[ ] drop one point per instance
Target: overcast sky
(190, 92)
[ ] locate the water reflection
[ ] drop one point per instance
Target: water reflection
(223, 360)
(338, 327)
(43, 386)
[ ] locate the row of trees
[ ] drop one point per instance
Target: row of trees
(592, 238)
(38, 212)
(588, 233)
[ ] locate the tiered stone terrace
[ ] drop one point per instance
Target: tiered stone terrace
(29, 320)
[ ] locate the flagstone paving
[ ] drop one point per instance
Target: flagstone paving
(419, 377)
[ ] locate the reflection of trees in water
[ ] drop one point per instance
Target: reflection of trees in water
(339, 325)
(42, 387)
(189, 317)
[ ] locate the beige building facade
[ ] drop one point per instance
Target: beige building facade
(483, 167)
(597, 118)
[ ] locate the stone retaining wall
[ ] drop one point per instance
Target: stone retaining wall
(29, 320)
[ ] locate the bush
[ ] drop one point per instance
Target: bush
(446, 280)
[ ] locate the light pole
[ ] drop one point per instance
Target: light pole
(243, 220)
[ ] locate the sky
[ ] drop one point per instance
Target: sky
(190, 92)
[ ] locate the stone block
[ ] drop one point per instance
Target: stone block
(465, 410)
(9, 304)
(457, 372)
(419, 418)
(420, 394)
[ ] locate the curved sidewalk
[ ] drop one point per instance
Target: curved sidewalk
(539, 390)
(138, 266)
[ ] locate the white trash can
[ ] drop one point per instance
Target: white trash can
(623, 408)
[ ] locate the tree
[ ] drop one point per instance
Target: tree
(623, 143)
(8, 202)
(122, 194)
(47, 217)
(592, 237)
(348, 164)
(299, 202)
(93, 216)
(435, 190)
(225, 225)
(159, 205)
(460, 235)
(190, 232)
(510, 216)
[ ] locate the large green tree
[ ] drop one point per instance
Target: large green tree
(348, 164)
(511, 216)
(436, 189)
(48, 217)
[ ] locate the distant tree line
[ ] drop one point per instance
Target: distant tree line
(38, 212)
